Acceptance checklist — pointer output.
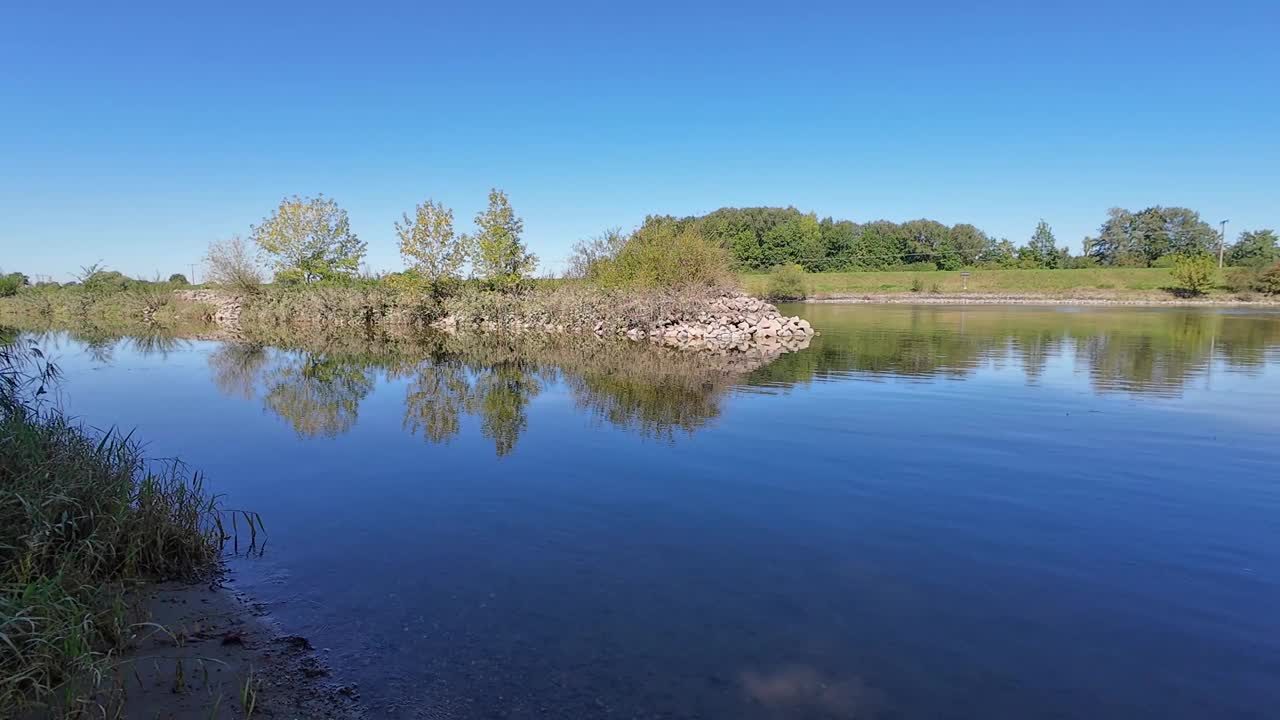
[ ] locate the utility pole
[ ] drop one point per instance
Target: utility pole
(193, 273)
(1222, 243)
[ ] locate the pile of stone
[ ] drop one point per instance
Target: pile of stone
(224, 307)
(731, 322)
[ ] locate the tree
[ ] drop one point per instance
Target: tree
(501, 257)
(1195, 274)
(429, 245)
(178, 279)
(230, 263)
(1254, 248)
(310, 237)
(1043, 248)
(968, 243)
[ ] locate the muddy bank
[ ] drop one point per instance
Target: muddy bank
(1102, 299)
(201, 651)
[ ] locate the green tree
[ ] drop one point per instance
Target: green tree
(178, 279)
(310, 238)
(1195, 274)
(969, 243)
(1043, 248)
(428, 243)
(501, 257)
(1254, 248)
(839, 242)
(1001, 254)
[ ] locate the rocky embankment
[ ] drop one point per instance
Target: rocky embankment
(729, 322)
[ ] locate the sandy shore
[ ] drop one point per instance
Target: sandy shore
(1034, 299)
(201, 651)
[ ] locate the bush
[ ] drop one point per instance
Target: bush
(917, 284)
(178, 279)
(1195, 274)
(664, 255)
(107, 281)
(786, 282)
(1166, 261)
(9, 285)
(231, 264)
(1269, 281)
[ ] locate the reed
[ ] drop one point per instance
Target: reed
(84, 516)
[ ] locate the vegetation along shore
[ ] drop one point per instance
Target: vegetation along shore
(110, 601)
(675, 280)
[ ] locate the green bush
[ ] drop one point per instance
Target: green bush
(917, 284)
(1269, 281)
(9, 285)
(664, 255)
(1166, 261)
(1194, 274)
(787, 282)
(178, 279)
(108, 281)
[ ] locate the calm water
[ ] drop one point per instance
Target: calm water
(930, 513)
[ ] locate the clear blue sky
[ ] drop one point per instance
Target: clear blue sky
(135, 133)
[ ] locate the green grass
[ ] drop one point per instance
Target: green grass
(83, 516)
(1118, 281)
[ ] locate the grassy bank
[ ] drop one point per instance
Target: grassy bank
(1118, 281)
(84, 517)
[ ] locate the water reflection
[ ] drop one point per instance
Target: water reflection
(317, 384)
(1139, 351)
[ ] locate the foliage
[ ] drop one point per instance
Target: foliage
(586, 253)
(917, 284)
(1139, 239)
(1254, 249)
(1194, 274)
(80, 514)
(94, 279)
(501, 258)
(231, 264)
(10, 284)
(178, 279)
(1269, 281)
(311, 236)
(429, 245)
(664, 254)
(786, 282)
(1043, 248)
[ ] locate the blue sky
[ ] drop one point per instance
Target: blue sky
(136, 133)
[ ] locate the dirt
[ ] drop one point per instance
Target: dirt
(201, 651)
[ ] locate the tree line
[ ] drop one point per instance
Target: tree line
(760, 238)
(309, 239)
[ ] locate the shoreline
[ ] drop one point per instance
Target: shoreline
(1030, 299)
(203, 650)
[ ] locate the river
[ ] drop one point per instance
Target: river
(931, 512)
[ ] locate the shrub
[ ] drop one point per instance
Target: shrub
(786, 282)
(1269, 281)
(935, 289)
(917, 284)
(664, 255)
(107, 281)
(178, 279)
(1194, 274)
(9, 285)
(1166, 261)
(231, 264)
